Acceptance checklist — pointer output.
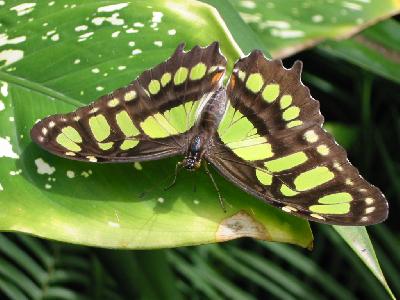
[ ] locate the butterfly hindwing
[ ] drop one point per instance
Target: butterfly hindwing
(146, 120)
(272, 145)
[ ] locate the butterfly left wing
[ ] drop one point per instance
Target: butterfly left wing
(271, 144)
(146, 120)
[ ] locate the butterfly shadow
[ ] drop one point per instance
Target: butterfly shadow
(69, 182)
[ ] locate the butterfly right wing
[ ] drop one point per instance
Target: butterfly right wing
(271, 144)
(146, 120)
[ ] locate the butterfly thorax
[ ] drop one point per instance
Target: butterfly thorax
(209, 118)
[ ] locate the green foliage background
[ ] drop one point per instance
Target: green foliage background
(356, 81)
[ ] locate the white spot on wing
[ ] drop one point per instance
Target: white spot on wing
(70, 174)
(172, 31)
(2, 106)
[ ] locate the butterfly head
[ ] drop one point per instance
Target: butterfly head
(191, 163)
(192, 160)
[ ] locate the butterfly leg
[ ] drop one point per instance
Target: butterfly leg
(177, 168)
(221, 199)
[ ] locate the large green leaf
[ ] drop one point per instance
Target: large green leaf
(57, 56)
(289, 26)
(376, 49)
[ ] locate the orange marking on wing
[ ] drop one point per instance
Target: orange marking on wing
(216, 77)
(232, 82)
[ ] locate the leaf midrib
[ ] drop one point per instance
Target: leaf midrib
(37, 87)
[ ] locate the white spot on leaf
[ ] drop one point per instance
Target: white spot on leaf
(55, 37)
(4, 40)
(287, 34)
(115, 34)
(85, 36)
(70, 174)
(248, 4)
(317, 18)
(24, 8)
(113, 20)
(81, 28)
(43, 167)
(6, 149)
(136, 51)
(11, 56)
(131, 30)
(113, 7)
(4, 88)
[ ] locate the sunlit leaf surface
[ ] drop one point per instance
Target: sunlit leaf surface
(56, 56)
(289, 26)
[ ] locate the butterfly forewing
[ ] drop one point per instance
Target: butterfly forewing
(146, 120)
(272, 145)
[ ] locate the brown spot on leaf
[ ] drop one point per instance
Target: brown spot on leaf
(241, 225)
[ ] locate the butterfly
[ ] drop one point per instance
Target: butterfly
(262, 131)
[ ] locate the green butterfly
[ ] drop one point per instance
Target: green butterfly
(262, 132)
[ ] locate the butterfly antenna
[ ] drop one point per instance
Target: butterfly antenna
(178, 167)
(221, 199)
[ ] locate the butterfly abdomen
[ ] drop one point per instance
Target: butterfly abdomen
(211, 114)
